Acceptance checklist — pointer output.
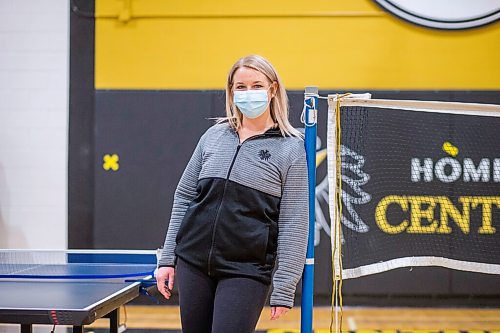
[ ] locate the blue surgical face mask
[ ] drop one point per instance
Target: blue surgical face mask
(252, 103)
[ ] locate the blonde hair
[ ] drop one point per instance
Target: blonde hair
(279, 102)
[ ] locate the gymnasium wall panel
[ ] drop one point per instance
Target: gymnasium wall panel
(34, 52)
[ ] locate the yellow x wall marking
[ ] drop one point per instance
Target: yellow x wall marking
(111, 162)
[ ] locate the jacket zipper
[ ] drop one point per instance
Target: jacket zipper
(222, 198)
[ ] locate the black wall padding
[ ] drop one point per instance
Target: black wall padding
(154, 134)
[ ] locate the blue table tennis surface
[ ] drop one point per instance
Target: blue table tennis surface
(50, 295)
(86, 287)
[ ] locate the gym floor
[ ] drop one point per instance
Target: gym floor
(166, 318)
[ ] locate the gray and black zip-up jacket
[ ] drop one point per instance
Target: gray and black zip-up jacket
(241, 207)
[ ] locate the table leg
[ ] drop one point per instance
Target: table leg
(26, 328)
(114, 320)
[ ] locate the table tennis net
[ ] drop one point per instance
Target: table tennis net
(42, 264)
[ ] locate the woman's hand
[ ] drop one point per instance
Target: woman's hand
(278, 311)
(162, 275)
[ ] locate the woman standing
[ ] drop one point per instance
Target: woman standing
(240, 209)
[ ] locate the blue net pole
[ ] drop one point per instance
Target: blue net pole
(310, 115)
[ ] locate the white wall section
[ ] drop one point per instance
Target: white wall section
(34, 76)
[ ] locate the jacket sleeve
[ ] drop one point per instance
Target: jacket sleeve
(293, 226)
(183, 195)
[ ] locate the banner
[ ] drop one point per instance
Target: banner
(419, 189)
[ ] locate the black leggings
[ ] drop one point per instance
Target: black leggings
(218, 306)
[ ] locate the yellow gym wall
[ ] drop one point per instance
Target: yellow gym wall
(341, 44)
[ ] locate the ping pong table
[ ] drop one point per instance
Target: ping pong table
(79, 289)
